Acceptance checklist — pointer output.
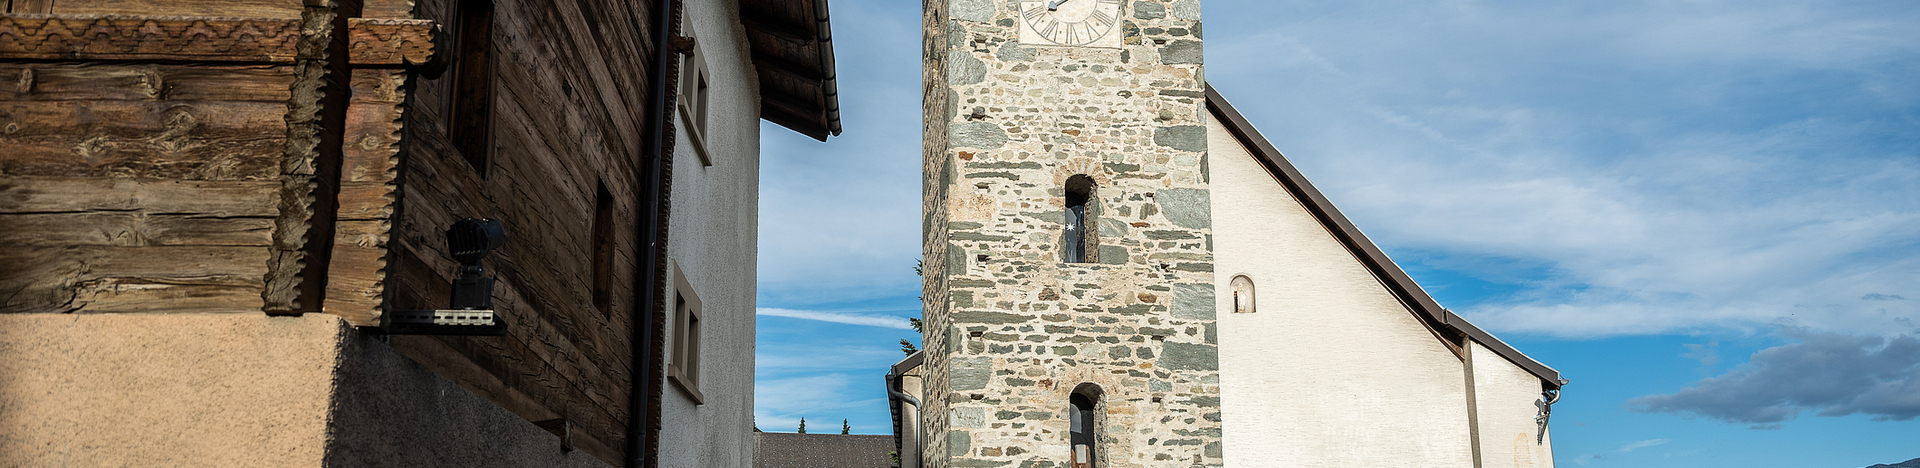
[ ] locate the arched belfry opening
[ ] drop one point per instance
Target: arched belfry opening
(1083, 414)
(1080, 240)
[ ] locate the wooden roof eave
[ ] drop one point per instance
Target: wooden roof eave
(816, 111)
(1383, 268)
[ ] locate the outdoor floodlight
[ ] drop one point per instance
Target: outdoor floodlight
(471, 311)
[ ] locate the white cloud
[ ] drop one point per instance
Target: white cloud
(1629, 447)
(1719, 165)
(871, 320)
(1643, 444)
(788, 356)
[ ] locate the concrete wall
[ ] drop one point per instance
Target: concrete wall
(1331, 370)
(241, 390)
(1504, 397)
(712, 243)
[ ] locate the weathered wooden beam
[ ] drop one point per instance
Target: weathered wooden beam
(115, 37)
(771, 63)
(775, 27)
(798, 106)
(374, 42)
(148, 278)
(390, 41)
(795, 120)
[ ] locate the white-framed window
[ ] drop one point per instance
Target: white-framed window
(683, 367)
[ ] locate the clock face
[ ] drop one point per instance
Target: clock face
(1091, 23)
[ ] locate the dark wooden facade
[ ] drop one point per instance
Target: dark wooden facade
(165, 158)
(307, 156)
(568, 112)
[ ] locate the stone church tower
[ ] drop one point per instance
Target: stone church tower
(1069, 284)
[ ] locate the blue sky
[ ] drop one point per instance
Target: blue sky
(1703, 212)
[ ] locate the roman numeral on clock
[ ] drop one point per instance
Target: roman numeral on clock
(1070, 38)
(1102, 18)
(1047, 32)
(1035, 12)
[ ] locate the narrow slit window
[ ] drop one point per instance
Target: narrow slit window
(603, 250)
(471, 119)
(1079, 243)
(694, 97)
(683, 369)
(1084, 430)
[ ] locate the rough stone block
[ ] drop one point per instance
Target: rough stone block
(1186, 207)
(971, 373)
(959, 443)
(1187, 10)
(981, 316)
(1193, 301)
(1189, 356)
(972, 10)
(970, 417)
(987, 135)
(1012, 52)
(1182, 137)
(1149, 10)
(1175, 52)
(963, 69)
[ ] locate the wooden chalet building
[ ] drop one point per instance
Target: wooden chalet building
(228, 228)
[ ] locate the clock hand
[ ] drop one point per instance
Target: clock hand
(1055, 6)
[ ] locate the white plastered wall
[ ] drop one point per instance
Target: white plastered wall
(712, 242)
(1504, 396)
(1331, 370)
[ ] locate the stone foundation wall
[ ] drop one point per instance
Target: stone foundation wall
(1022, 329)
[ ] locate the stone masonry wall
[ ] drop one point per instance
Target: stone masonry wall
(936, 177)
(1021, 329)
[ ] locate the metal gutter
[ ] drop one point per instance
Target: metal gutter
(895, 396)
(830, 86)
(1396, 280)
(643, 422)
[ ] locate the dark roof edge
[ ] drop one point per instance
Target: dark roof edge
(912, 361)
(1376, 261)
(893, 404)
(830, 86)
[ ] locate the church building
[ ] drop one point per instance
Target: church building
(1122, 272)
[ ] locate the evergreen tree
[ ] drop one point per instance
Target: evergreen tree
(907, 347)
(844, 428)
(803, 425)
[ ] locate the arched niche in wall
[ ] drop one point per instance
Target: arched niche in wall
(1242, 288)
